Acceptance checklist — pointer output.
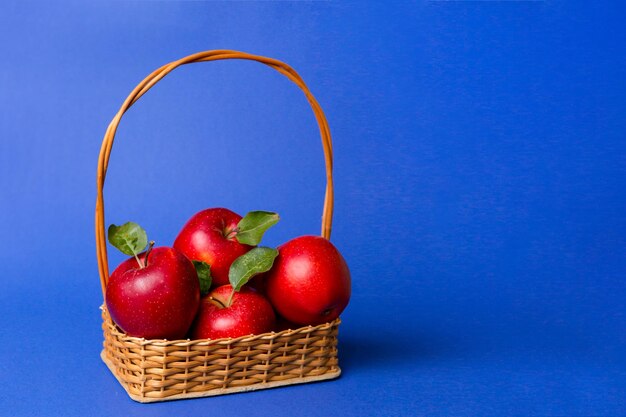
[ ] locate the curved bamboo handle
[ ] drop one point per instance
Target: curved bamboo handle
(148, 83)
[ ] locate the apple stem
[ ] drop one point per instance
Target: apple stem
(141, 265)
(145, 258)
(231, 233)
(230, 298)
(217, 301)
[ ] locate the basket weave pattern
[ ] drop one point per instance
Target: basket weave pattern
(152, 370)
(158, 370)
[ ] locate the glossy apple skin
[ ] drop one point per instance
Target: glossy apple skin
(204, 238)
(309, 282)
(159, 301)
(249, 313)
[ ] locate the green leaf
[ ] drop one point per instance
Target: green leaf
(204, 275)
(129, 238)
(254, 262)
(252, 227)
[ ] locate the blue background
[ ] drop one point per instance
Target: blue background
(480, 175)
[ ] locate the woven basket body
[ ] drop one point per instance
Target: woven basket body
(152, 370)
(158, 370)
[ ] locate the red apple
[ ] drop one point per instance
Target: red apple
(158, 301)
(309, 282)
(210, 236)
(248, 313)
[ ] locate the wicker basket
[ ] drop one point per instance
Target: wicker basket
(159, 370)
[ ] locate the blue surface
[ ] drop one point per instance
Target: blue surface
(480, 175)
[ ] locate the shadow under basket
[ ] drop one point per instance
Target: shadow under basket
(160, 370)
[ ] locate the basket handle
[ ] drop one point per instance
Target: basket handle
(148, 83)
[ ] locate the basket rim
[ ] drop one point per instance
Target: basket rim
(268, 336)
